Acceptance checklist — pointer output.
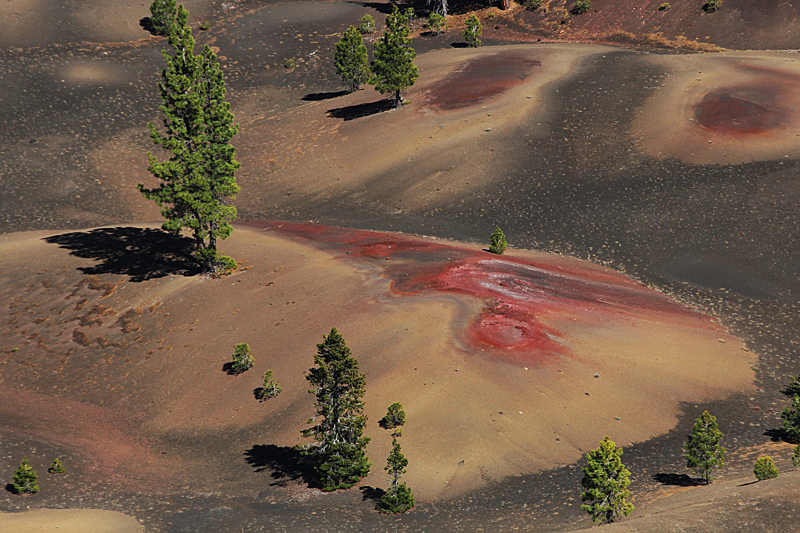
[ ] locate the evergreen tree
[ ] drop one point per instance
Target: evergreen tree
(367, 24)
(162, 14)
(242, 358)
(56, 467)
(703, 451)
(765, 468)
(497, 242)
(606, 481)
(473, 31)
(793, 387)
(394, 66)
(395, 417)
(398, 497)
(25, 478)
(791, 421)
(340, 448)
(270, 388)
(437, 23)
(351, 59)
(796, 456)
(198, 178)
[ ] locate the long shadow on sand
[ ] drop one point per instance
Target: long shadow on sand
(679, 480)
(141, 253)
(361, 110)
(286, 463)
(318, 97)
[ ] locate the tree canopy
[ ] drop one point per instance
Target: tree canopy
(703, 452)
(606, 482)
(351, 59)
(394, 66)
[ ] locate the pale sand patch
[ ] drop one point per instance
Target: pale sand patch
(666, 125)
(69, 521)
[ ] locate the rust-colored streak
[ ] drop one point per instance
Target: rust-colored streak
(481, 79)
(735, 111)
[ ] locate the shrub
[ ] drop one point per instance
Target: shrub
(242, 358)
(395, 417)
(712, 5)
(497, 242)
(25, 479)
(270, 389)
(533, 4)
(205, 25)
(664, 7)
(473, 31)
(796, 456)
(437, 23)
(581, 7)
(765, 468)
(367, 24)
(56, 467)
(289, 65)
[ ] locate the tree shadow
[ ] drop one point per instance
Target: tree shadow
(371, 493)
(459, 44)
(147, 25)
(317, 97)
(352, 112)
(778, 435)
(10, 488)
(679, 480)
(140, 253)
(287, 463)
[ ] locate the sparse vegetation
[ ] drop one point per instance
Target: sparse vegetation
(711, 6)
(56, 467)
(703, 451)
(198, 178)
(351, 60)
(289, 64)
(606, 481)
(497, 242)
(765, 468)
(394, 66)
(398, 497)
(242, 358)
(205, 25)
(665, 6)
(532, 5)
(339, 450)
(395, 417)
(25, 478)
(473, 31)
(581, 7)
(793, 388)
(367, 25)
(270, 388)
(791, 421)
(162, 14)
(796, 456)
(437, 23)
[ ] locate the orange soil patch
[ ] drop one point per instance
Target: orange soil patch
(724, 109)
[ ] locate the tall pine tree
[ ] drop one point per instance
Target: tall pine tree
(339, 453)
(398, 497)
(198, 178)
(351, 59)
(394, 66)
(703, 451)
(606, 481)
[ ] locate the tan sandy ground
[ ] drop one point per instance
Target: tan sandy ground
(69, 521)
(666, 125)
(166, 372)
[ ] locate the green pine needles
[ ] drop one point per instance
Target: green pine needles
(25, 478)
(394, 67)
(56, 467)
(269, 389)
(703, 452)
(339, 450)
(606, 481)
(395, 417)
(162, 13)
(398, 497)
(764, 468)
(473, 31)
(351, 60)
(198, 179)
(791, 421)
(497, 242)
(242, 358)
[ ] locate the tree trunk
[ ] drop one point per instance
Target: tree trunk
(398, 100)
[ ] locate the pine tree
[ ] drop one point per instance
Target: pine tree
(56, 467)
(25, 478)
(473, 31)
(394, 66)
(367, 24)
(437, 23)
(497, 242)
(162, 13)
(242, 358)
(198, 178)
(793, 387)
(398, 497)
(791, 421)
(606, 482)
(703, 451)
(270, 388)
(796, 456)
(351, 59)
(340, 449)
(765, 468)
(395, 417)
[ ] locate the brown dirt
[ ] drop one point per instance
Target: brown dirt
(70, 521)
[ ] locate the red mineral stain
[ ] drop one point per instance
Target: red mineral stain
(745, 110)
(521, 297)
(482, 78)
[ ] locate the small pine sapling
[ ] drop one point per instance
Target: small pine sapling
(791, 421)
(765, 468)
(367, 24)
(437, 23)
(473, 31)
(796, 456)
(398, 497)
(270, 388)
(606, 481)
(56, 467)
(497, 242)
(581, 7)
(395, 417)
(665, 6)
(25, 478)
(712, 5)
(703, 452)
(793, 388)
(242, 358)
